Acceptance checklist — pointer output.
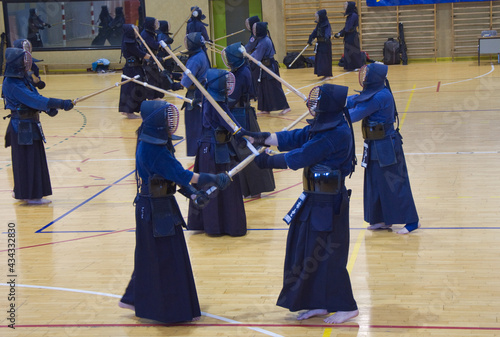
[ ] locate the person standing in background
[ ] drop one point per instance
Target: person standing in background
(132, 94)
(322, 33)
(270, 94)
(353, 58)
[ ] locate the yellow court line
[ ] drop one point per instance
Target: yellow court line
(407, 106)
(327, 332)
(355, 251)
(357, 246)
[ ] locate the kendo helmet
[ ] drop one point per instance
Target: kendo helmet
(220, 84)
(17, 62)
(373, 75)
(321, 15)
(26, 46)
(350, 7)
(251, 21)
(150, 24)
(260, 29)
(232, 56)
(326, 103)
(129, 33)
(194, 41)
(159, 121)
(197, 14)
(165, 27)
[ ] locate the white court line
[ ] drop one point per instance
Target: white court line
(269, 333)
(330, 78)
(467, 79)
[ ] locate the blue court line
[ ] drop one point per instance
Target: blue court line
(83, 203)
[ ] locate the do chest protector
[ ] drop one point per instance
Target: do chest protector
(158, 187)
(374, 130)
(322, 179)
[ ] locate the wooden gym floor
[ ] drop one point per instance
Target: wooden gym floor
(74, 257)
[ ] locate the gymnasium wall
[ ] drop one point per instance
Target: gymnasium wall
(432, 31)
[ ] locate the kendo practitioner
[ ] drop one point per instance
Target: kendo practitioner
(319, 220)
(104, 28)
(163, 34)
(33, 74)
(153, 73)
(270, 94)
(252, 41)
(132, 94)
(322, 33)
(353, 58)
(24, 133)
(195, 25)
(253, 180)
(198, 65)
(35, 24)
(162, 286)
(116, 27)
(226, 212)
(387, 196)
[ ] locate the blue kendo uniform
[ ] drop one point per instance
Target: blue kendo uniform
(193, 116)
(116, 27)
(35, 24)
(194, 25)
(162, 286)
(104, 29)
(132, 94)
(24, 133)
(319, 220)
(252, 41)
(253, 180)
(322, 33)
(352, 52)
(269, 91)
(387, 193)
(226, 212)
(163, 34)
(151, 68)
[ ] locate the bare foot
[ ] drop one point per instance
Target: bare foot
(285, 111)
(126, 306)
(38, 201)
(196, 319)
(405, 230)
(131, 115)
(380, 225)
(263, 113)
(341, 317)
(311, 313)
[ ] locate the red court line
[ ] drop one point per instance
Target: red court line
(123, 230)
(83, 161)
(439, 85)
(70, 240)
(246, 325)
(110, 151)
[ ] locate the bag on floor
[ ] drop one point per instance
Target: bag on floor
(391, 52)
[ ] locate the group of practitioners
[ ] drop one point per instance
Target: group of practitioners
(162, 285)
(352, 58)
